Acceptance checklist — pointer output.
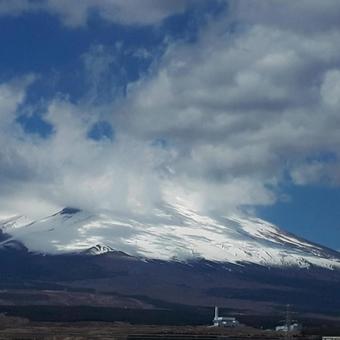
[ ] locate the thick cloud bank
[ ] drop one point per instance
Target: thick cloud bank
(219, 123)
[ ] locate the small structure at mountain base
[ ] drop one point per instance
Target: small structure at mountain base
(294, 327)
(223, 321)
(289, 326)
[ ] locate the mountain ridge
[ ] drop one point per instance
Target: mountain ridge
(174, 233)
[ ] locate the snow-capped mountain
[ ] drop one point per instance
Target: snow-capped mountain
(173, 233)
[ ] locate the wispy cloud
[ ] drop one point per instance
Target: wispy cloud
(74, 13)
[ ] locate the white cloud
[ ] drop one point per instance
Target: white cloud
(68, 169)
(237, 111)
(244, 108)
(12, 95)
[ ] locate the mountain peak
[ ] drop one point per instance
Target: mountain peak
(69, 211)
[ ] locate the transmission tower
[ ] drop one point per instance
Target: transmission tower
(288, 323)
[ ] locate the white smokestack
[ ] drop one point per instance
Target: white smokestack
(216, 312)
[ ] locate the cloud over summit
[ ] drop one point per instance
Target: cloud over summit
(219, 122)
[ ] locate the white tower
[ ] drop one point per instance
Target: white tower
(216, 312)
(215, 321)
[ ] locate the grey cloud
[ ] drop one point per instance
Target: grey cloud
(307, 16)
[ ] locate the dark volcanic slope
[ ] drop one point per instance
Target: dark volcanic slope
(162, 284)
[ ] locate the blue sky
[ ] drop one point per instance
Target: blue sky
(231, 106)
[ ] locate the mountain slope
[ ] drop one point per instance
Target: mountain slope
(174, 233)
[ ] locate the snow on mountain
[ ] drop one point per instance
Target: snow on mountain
(11, 223)
(173, 233)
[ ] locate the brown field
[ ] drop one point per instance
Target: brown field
(23, 329)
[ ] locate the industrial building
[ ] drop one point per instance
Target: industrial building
(289, 324)
(222, 321)
(294, 327)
